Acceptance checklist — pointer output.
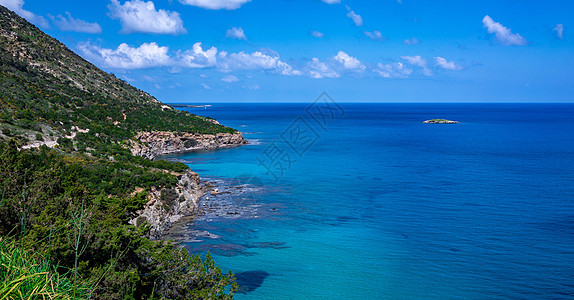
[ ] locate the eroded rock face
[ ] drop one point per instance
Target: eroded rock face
(153, 144)
(168, 205)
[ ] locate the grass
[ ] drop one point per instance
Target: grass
(28, 275)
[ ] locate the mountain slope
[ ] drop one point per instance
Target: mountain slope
(48, 92)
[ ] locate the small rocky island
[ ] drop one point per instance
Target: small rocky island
(440, 121)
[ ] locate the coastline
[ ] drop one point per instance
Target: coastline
(153, 144)
(166, 207)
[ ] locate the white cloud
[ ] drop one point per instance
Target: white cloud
(559, 31)
(394, 70)
(415, 60)
(332, 1)
(418, 61)
(229, 79)
(411, 41)
(447, 65)
(317, 34)
(319, 69)
(126, 57)
(236, 33)
(68, 23)
(140, 16)
(150, 55)
(198, 58)
(255, 61)
(375, 35)
(357, 19)
(253, 87)
(503, 34)
(17, 7)
(205, 86)
(349, 62)
(216, 4)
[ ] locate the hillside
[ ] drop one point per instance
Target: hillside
(49, 92)
(76, 190)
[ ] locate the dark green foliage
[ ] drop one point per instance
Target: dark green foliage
(47, 195)
(169, 197)
(190, 143)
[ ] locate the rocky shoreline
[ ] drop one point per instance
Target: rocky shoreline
(153, 144)
(167, 206)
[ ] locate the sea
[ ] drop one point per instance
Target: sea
(363, 201)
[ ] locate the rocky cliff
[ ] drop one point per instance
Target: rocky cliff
(153, 144)
(167, 206)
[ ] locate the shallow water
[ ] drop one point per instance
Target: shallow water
(375, 204)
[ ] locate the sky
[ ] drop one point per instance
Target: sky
(206, 51)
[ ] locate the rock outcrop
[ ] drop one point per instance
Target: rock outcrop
(440, 121)
(153, 144)
(167, 206)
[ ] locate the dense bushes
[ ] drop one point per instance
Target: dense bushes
(73, 211)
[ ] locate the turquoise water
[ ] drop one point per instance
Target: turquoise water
(372, 204)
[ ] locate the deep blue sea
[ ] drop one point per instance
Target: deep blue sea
(363, 201)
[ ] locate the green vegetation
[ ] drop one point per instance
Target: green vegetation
(74, 209)
(64, 211)
(29, 275)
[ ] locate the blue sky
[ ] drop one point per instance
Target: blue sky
(207, 51)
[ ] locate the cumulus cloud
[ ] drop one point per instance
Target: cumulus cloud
(357, 19)
(236, 33)
(319, 69)
(68, 23)
(230, 79)
(150, 55)
(216, 4)
(255, 61)
(503, 35)
(375, 35)
(420, 62)
(394, 70)
(447, 65)
(317, 34)
(140, 16)
(348, 62)
(17, 6)
(125, 57)
(332, 1)
(197, 57)
(559, 31)
(411, 41)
